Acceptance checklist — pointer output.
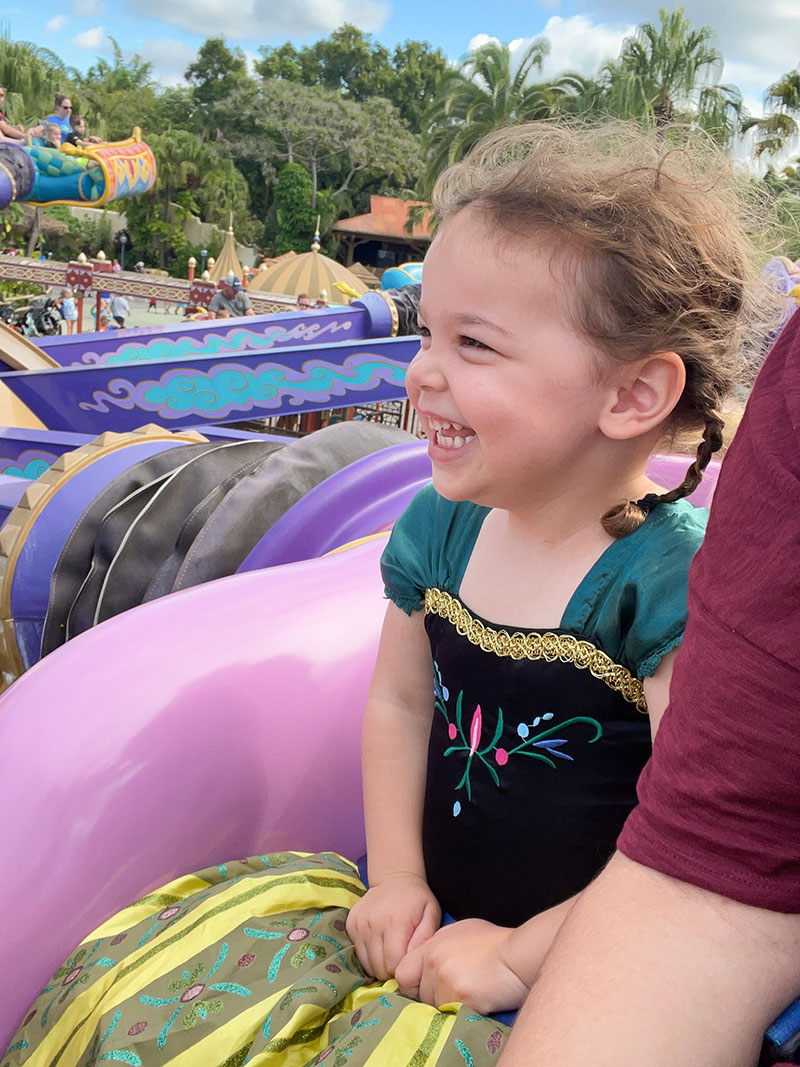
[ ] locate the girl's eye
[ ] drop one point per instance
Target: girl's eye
(423, 331)
(470, 342)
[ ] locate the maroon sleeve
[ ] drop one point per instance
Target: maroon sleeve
(720, 798)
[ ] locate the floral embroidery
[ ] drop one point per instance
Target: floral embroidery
(542, 745)
(72, 975)
(192, 991)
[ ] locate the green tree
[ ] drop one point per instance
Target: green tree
(418, 68)
(779, 125)
(350, 62)
(669, 72)
(218, 73)
(194, 177)
(113, 96)
(339, 141)
(295, 216)
(491, 89)
(32, 76)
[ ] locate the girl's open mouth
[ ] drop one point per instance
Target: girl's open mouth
(450, 434)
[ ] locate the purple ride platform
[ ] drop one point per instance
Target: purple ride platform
(190, 393)
(368, 317)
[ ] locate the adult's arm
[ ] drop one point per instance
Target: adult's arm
(688, 945)
(648, 970)
(12, 133)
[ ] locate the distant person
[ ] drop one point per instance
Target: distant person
(230, 301)
(61, 115)
(139, 267)
(48, 135)
(78, 136)
(8, 132)
(120, 309)
(69, 309)
(322, 300)
(304, 302)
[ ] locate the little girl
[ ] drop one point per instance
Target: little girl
(69, 309)
(576, 308)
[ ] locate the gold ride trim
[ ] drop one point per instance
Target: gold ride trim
(533, 646)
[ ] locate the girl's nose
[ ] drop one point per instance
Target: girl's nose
(425, 371)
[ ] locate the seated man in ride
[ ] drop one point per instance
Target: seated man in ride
(8, 132)
(230, 301)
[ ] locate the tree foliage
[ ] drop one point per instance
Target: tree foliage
(491, 89)
(356, 67)
(668, 72)
(113, 96)
(32, 76)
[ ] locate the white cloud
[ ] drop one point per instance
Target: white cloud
(83, 8)
(90, 38)
(169, 57)
(759, 42)
(576, 44)
(251, 19)
(55, 24)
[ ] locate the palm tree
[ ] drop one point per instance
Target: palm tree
(778, 126)
(669, 73)
(32, 76)
(491, 89)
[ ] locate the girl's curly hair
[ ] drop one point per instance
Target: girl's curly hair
(660, 241)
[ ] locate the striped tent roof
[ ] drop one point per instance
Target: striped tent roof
(228, 260)
(310, 272)
(254, 284)
(368, 277)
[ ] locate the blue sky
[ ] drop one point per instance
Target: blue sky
(759, 41)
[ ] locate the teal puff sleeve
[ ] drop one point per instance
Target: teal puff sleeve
(429, 548)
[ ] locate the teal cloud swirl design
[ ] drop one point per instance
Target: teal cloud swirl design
(215, 344)
(234, 387)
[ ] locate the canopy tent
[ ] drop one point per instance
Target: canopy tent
(310, 272)
(228, 260)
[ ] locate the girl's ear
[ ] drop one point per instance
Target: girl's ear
(644, 395)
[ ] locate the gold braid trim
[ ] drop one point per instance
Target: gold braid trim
(533, 646)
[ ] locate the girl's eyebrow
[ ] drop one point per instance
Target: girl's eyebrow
(469, 318)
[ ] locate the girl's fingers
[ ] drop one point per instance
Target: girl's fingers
(409, 973)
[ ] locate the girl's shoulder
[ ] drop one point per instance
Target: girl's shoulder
(429, 547)
(634, 598)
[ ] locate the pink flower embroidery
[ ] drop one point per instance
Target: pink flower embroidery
(137, 1028)
(475, 730)
(452, 731)
(193, 992)
(494, 1041)
(246, 959)
(73, 974)
(501, 756)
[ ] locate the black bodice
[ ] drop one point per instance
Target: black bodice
(537, 742)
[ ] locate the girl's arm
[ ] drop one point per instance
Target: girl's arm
(490, 967)
(399, 910)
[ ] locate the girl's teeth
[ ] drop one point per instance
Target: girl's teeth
(452, 442)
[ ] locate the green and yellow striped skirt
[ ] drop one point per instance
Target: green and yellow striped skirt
(244, 963)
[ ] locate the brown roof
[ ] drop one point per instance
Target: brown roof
(387, 218)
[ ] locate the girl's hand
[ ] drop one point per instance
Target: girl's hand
(464, 962)
(390, 920)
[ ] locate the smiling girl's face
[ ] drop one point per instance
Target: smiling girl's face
(509, 393)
